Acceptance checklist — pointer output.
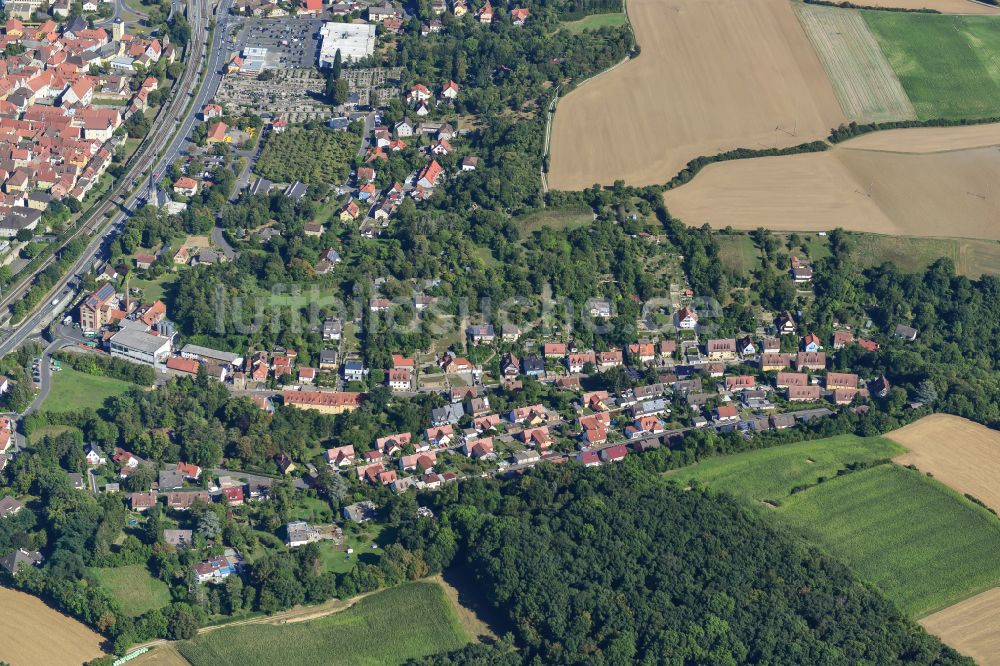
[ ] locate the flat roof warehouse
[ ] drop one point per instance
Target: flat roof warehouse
(354, 40)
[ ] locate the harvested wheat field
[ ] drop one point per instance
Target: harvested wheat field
(862, 78)
(943, 6)
(959, 453)
(31, 627)
(928, 139)
(972, 627)
(713, 75)
(943, 194)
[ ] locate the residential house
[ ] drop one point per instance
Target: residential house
(784, 324)
(745, 346)
(360, 512)
(808, 393)
(810, 361)
(786, 379)
(740, 383)
(842, 338)
(835, 380)
(533, 366)
(811, 343)
(614, 453)
(481, 334)
(905, 332)
(340, 456)
(399, 379)
(721, 350)
(726, 414)
(687, 319)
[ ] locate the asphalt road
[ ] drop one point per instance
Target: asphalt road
(65, 289)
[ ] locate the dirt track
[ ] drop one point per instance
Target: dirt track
(713, 75)
(972, 627)
(959, 453)
(953, 193)
(35, 634)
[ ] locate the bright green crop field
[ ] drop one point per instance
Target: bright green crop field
(949, 66)
(922, 544)
(389, 627)
(770, 474)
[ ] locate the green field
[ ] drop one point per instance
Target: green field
(770, 474)
(595, 21)
(922, 544)
(948, 65)
(72, 390)
(386, 628)
(155, 290)
(558, 219)
(38, 434)
(133, 587)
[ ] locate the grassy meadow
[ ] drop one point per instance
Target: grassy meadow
(946, 64)
(134, 588)
(72, 390)
(596, 21)
(385, 628)
(770, 474)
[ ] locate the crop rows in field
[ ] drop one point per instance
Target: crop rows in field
(922, 544)
(948, 65)
(863, 80)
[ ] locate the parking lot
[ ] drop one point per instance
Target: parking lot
(290, 42)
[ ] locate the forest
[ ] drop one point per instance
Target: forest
(615, 566)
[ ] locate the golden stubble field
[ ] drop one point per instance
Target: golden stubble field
(972, 627)
(713, 75)
(35, 634)
(923, 182)
(959, 453)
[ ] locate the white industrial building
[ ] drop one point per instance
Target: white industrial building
(140, 347)
(353, 40)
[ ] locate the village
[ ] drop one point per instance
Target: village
(65, 98)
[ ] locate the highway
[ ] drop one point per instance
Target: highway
(162, 141)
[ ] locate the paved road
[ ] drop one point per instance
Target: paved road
(67, 286)
(219, 239)
(45, 374)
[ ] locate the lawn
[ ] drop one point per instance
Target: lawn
(737, 252)
(38, 434)
(925, 546)
(389, 627)
(946, 64)
(155, 290)
(133, 587)
(557, 219)
(770, 474)
(595, 21)
(72, 390)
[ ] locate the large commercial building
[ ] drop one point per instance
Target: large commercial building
(354, 41)
(140, 347)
